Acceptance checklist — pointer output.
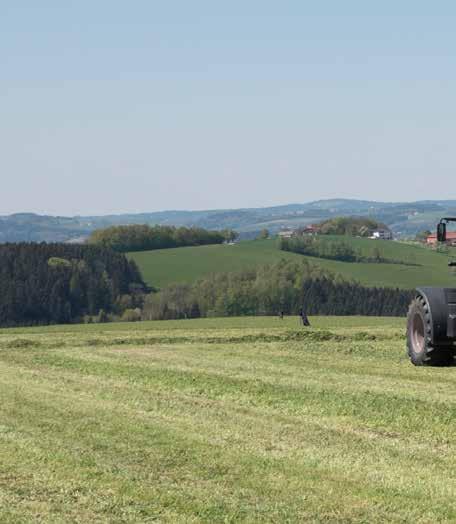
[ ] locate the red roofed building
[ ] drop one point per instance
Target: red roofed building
(311, 229)
(451, 238)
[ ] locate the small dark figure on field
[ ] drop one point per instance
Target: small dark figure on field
(281, 315)
(304, 319)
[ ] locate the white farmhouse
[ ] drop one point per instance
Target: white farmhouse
(287, 233)
(383, 234)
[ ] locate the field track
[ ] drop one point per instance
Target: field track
(224, 420)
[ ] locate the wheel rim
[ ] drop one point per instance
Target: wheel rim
(417, 333)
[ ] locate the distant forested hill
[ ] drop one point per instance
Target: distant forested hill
(404, 219)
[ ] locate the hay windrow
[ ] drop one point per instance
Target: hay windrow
(224, 337)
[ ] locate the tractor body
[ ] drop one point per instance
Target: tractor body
(441, 303)
(431, 321)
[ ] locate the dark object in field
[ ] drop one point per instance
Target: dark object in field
(431, 321)
(304, 319)
(281, 315)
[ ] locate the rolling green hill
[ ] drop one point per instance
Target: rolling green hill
(163, 267)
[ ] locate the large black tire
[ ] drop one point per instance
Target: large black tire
(419, 342)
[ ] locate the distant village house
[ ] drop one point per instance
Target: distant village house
(383, 234)
(450, 239)
(286, 233)
(311, 229)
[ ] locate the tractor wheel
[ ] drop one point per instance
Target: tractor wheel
(419, 347)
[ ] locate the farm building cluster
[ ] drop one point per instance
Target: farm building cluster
(377, 234)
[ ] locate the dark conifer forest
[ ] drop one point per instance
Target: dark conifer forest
(59, 283)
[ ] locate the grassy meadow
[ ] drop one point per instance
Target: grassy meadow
(224, 420)
(421, 266)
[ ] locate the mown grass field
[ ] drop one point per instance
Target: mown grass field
(224, 420)
(166, 266)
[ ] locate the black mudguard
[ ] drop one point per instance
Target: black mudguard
(442, 308)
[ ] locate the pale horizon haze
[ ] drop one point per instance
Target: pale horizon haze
(111, 107)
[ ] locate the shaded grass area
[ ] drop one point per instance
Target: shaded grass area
(166, 266)
(190, 421)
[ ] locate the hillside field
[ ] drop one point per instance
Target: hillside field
(224, 420)
(166, 266)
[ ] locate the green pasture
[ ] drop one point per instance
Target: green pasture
(421, 266)
(224, 420)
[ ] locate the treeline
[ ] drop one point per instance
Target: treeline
(61, 283)
(321, 247)
(285, 286)
(144, 238)
(353, 226)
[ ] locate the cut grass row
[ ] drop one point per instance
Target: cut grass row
(182, 430)
(270, 324)
(167, 266)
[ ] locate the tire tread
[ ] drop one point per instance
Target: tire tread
(431, 355)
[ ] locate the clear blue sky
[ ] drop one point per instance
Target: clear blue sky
(109, 106)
